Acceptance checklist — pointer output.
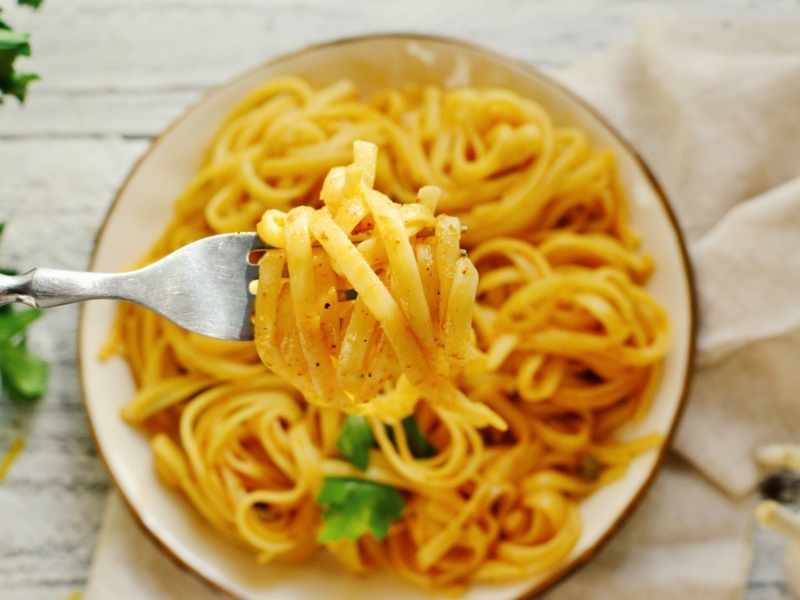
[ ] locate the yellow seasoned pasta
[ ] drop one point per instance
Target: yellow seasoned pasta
(407, 331)
(487, 369)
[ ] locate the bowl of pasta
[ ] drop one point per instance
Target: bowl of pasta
(473, 330)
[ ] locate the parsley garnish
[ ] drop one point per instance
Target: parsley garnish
(23, 375)
(418, 444)
(14, 44)
(589, 468)
(353, 507)
(355, 440)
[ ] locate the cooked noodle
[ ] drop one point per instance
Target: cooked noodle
(518, 361)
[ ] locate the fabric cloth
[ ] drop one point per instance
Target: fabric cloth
(712, 106)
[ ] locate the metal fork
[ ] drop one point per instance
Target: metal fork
(203, 287)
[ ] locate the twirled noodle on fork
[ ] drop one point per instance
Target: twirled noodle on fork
(407, 334)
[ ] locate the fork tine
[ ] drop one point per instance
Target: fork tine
(204, 286)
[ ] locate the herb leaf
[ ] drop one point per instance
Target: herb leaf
(418, 444)
(14, 44)
(353, 507)
(23, 375)
(355, 440)
(13, 322)
(589, 468)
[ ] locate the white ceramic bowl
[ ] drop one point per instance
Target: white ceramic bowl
(143, 207)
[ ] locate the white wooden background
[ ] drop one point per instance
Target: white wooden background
(114, 74)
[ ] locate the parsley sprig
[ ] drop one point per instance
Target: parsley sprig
(14, 44)
(355, 440)
(354, 507)
(23, 375)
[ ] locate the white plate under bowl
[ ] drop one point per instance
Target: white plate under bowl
(143, 207)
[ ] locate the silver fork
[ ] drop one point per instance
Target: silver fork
(203, 287)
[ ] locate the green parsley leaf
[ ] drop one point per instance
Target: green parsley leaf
(589, 468)
(14, 40)
(355, 440)
(14, 44)
(14, 321)
(23, 375)
(418, 444)
(353, 507)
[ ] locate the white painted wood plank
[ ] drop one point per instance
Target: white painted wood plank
(118, 46)
(93, 114)
(131, 67)
(53, 195)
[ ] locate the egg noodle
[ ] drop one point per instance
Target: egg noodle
(518, 346)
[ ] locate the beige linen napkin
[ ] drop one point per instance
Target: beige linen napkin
(714, 107)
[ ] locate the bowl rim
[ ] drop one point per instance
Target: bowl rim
(579, 561)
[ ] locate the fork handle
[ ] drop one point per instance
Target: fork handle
(45, 288)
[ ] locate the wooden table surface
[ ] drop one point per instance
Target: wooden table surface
(114, 73)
